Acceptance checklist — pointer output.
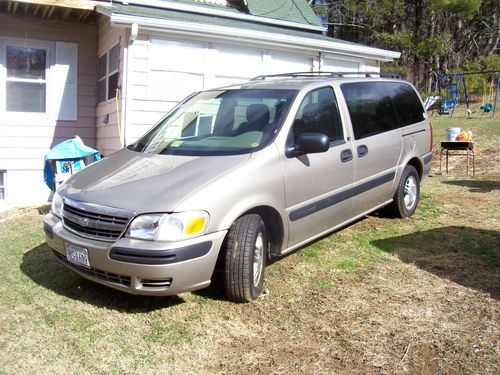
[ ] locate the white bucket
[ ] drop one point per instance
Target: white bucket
(452, 134)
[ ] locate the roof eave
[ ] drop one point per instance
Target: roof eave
(165, 4)
(262, 37)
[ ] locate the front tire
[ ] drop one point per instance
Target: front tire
(245, 262)
(408, 193)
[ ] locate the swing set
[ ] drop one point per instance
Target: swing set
(450, 86)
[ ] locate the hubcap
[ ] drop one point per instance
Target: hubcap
(410, 192)
(258, 259)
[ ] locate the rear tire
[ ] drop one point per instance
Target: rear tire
(407, 194)
(245, 262)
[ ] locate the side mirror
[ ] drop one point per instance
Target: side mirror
(309, 143)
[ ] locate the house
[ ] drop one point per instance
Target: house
(108, 70)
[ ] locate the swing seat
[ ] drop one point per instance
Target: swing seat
(487, 107)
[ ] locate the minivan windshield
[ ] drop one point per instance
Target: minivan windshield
(219, 122)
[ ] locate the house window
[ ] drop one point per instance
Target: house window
(108, 74)
(2, 185)
(26, 79)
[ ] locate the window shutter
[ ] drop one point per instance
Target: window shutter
(64, 82)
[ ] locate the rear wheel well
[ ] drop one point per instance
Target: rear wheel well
(415, 162)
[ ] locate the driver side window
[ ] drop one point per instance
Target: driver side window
(319, 113)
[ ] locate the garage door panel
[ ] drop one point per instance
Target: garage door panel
(173, 86)
(226, 81)
(333, 65)
(233, 61)
(177, 56)
(282, 62)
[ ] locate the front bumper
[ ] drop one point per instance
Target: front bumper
(138, 266)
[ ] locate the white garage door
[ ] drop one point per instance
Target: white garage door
(176, 69)
(283, 62)
(333, 65)
(232, 64)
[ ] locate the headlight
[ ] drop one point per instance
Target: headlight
(57, 204)
(169, 227)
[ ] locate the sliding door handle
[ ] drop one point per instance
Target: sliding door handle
(362, 151)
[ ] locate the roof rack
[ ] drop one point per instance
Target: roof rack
(327, 75)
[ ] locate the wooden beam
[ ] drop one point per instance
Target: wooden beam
(14, 9)
(45, 10)
(66, 14)
(52, 9)
(37, 8)
(26, 7)
(76, 4)
(85, 15)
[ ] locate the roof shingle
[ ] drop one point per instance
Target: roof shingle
(287, 10)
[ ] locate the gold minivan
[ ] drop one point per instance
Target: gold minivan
(237, 176)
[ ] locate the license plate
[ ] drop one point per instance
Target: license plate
(77, 254)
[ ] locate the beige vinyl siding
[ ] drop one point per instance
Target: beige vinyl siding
(25, 141)
(108, 137)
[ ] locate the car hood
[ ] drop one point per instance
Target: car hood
(146, 182)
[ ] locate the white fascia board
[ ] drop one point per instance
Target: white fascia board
(261, 37)
(164, 4)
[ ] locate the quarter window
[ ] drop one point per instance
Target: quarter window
(319, 113)
(107, 72)
(26, 86)
(407, 103)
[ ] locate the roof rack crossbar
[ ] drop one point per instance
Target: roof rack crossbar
(327, 75)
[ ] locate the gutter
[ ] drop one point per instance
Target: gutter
(262, 37)
(165, 4)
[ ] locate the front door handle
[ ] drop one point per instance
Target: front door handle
(346, 155)
(362, 151)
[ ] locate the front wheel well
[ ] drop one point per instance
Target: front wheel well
(274, 226)
(275, 232)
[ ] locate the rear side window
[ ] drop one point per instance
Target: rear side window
(407, 103)
(319, 113)
(370, 107)
(377, 107)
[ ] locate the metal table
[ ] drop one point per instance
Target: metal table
(458, 149)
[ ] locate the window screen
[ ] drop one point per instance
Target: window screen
(26, 81)
(319, 113)
(107, 71)
(370, 107)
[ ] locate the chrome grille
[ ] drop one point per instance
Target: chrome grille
(99, 274)
(95, 221)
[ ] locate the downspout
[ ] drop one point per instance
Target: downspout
(320, 62)
(134, 30)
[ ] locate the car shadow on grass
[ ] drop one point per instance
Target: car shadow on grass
(476, 186)
(467, 256)
(40, 265)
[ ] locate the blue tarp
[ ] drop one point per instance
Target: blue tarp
(73, 150)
